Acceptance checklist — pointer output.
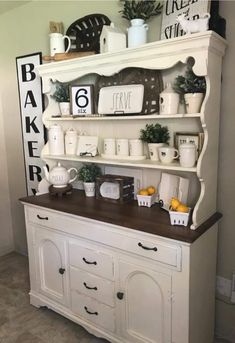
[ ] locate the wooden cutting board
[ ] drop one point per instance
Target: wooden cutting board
(67, 56)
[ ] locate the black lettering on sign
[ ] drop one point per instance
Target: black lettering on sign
(31, 148)
(81, 100)
(33, 190)
(31, 99)
(31, 124)
(27, 72)
(34, 172)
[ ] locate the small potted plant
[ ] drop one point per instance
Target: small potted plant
(88, 174)
(138, 12)
(156, 136)
(61, 95)
(192, 88)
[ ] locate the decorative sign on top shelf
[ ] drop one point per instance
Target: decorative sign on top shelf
(192, 9)
(118, 100)
(81, 99)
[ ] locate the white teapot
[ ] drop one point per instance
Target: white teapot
(59, 176)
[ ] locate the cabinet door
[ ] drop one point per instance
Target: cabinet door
(146, 304)
(51, 266)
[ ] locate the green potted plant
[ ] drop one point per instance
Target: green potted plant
(61, 95)
(138, 12)
(155, 136)
(192, 89)
(88, 174)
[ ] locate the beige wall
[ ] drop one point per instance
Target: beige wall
(25, 30)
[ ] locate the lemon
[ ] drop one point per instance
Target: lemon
(143, 192)
(175, 203)
(182, 208)
(151, 190)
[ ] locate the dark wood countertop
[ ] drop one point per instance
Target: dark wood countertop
(152, 220)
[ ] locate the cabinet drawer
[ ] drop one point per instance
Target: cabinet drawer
(92, 286)
(169, 254)
(93, 311)
(91, 260)
(43, 217)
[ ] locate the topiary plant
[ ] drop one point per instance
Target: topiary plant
(142, 9)
(61, 93)
(155, 134)
(89, 172)
(190, 83)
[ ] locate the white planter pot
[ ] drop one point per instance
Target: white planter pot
(64, 108)
(153, 150)
(89, 188)
(137, 33)
(193, 102)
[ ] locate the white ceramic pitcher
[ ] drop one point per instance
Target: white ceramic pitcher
(57, 43)
(137, 33)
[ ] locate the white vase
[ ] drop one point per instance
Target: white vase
(193, 102)
(153, 150)
(64, 108)
(137, 33)
(89, 188)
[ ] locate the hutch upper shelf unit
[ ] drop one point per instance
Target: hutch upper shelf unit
(207, 50)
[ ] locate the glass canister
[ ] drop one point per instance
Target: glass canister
(56, 140)
(169, 100)
(71, 139)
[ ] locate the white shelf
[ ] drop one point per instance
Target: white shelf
(125, 117)
(149, 164)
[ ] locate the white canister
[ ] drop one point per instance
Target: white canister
(71, 139)
(122, 147)
(136, 147)
(56, 140)
(57, 43)
(109, 146)
(169, 100)
(137, 33)
(188, 155)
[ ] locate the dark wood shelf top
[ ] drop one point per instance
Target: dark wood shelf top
(152, 220)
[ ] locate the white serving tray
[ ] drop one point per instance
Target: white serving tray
(120, 157)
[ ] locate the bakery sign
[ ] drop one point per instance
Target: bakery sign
(193, 9)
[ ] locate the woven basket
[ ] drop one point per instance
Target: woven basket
(85, 32)
(151, 79)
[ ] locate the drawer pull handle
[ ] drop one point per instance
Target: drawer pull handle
(42, 218)
(87, 311)
(61, 271)
(94, 288)
(146, 248)
(120, 295)
(88, 262)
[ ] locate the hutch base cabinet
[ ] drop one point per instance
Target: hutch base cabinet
(123, 284)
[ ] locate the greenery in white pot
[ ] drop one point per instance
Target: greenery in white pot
(88, 174)
(61, 95)
(142, 9)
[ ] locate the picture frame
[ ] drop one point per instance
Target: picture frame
(82, 100)
(189, 137)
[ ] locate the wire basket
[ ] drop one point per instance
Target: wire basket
(179, 218)
(146, 200)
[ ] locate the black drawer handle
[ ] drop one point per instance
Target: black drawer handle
(42, 218)
(146, 248)
(61, 271)
(94, 288)
(88, 262)
(87, 311)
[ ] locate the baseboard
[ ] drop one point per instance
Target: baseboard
(229, 337)
(6, 250)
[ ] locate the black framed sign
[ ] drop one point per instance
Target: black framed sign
(31, 107)
(192, 9)
(82, 100)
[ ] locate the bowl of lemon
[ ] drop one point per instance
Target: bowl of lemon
(179, 213)
(147, 196)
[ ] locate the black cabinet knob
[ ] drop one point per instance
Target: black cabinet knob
(120, 295)
(61, 271)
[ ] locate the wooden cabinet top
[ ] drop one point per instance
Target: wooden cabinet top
(152, 220)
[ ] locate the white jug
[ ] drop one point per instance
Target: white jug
(137, 33)
(57, 43)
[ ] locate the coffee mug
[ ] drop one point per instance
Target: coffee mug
(109, 146)
(136, 147)
(188, 154)
(57, 43)
(122, 147)
(168, 154)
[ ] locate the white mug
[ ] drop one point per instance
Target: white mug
(168, 154)
(188, 154)
(57, 43)
(136, 147)
(122, 147)
(109, 146)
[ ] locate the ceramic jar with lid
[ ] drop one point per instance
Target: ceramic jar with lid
(188, 154)
(56, 140)
(71, 139)
(169, 100)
